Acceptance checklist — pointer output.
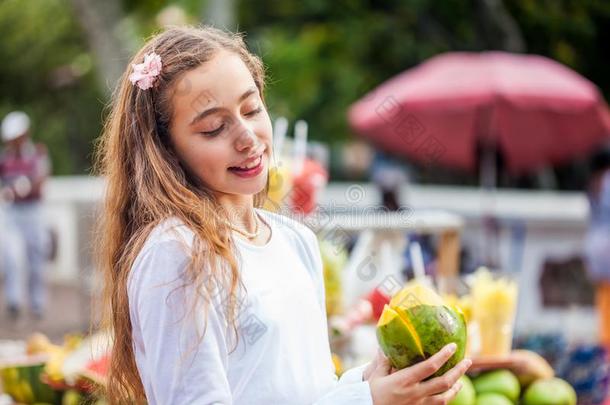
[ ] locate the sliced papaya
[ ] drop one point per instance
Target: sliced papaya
(398, 343)
(417, 324)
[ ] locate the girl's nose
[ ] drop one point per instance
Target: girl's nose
(246, 138)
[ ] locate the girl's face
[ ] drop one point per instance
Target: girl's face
(220, 124)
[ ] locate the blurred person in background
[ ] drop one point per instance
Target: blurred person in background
(389, 175)
(24, 167)
(597, 242)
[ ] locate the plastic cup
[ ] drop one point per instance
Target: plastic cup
(307, 186)
(280, 185)
(494, 309)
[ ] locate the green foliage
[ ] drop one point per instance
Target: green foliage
(324, 55)
(47, 72)
(321, 55)
(574, 32)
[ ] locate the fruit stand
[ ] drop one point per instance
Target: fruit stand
(371, 305)
(72, 372)
(38, 371)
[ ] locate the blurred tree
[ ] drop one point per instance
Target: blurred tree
(220, 13)
(47, 71)
(576, 33)
(323, 55)
(497, 23)
(62, 57)
(100, 22)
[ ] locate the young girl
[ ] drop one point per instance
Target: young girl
(210, 299)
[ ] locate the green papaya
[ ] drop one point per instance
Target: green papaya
(417, 324)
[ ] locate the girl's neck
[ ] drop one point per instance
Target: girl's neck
(240, 210)
(242, 215)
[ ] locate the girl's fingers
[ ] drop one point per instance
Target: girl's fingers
(366, 375)
(380, 356)
(426, 368)
(446, 381)
(382, 368)
(446, 396)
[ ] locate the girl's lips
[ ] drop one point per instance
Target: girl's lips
(252, 172)
(250, 162)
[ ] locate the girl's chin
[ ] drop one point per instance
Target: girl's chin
(250, 189)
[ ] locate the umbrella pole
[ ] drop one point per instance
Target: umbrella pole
(488, 181)
(488, 169)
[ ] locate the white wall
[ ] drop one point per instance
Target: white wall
(68, 206)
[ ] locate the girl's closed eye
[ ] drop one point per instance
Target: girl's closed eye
(254, 111)
(214, 128)
(213, 132)
(218, 127)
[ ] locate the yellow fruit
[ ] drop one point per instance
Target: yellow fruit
(531, 366)
(494, 305)
(280, 184)
(334, 259)
(53, 368)
(37, 343)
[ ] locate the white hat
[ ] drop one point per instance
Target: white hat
(14, 125)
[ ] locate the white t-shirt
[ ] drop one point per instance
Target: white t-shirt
(282, 356)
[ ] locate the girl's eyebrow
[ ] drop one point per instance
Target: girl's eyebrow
(212, 110)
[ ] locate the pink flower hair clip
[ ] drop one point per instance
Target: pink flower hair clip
(144, 74)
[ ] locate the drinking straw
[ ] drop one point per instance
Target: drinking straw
(300, 145)
(417, 260)
(280, 128)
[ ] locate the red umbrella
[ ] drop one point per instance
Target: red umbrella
(535, 110)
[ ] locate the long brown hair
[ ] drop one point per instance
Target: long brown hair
(146, 184)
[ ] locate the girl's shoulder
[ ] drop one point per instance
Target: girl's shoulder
(169, 230)
(168, 242)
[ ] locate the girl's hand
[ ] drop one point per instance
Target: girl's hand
(407, 386)
(379, 361)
